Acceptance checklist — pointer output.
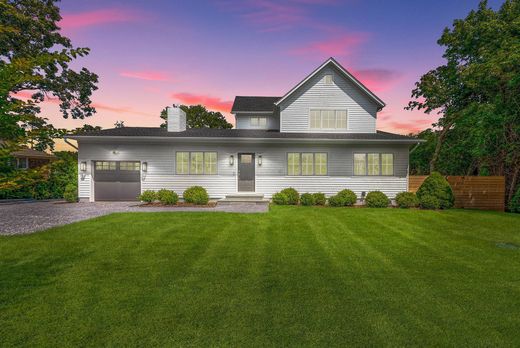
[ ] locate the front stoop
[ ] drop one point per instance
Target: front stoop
(250, 198)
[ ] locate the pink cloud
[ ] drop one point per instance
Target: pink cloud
(377, 79)
(96, 17)
(212, 103)
(342, 45)
(119, 109)
(149, 75)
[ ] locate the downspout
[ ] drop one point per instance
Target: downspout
(69, 143)
(415, 147)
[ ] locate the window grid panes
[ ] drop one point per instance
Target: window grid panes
(196, 163)
(307, 163)
(387, 164)
(328, 119)
(132, 166)
(105, 165)
(258, 121)
(374, 164)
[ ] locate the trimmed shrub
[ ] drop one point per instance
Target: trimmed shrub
(280, 199)
(429, 202)
(376, 199)
(437, 186)
(514, 204)
(407, 200)
(196, 195)
(307, 199)
(319, 198)
(167, 197)
(343, 198)
(293, 197)
(71, 193)
(147, 196)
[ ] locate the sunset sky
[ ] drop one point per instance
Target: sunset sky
(149, 54)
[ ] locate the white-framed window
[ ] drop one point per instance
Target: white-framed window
(328, 119)
(258, 121)
(22, 163)
(374, 164)
(196, 163)
(329, 79)
(306, 163)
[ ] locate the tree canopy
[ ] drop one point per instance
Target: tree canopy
(197, 116)
(477, 94)
(35, 63)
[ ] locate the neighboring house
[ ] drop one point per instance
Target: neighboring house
(28, 158)
(319, 137)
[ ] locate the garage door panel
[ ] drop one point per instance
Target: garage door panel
(117, 181)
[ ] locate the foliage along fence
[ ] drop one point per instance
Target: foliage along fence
(471, 192)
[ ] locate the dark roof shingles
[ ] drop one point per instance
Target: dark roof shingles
(245, 103)
(239, 133)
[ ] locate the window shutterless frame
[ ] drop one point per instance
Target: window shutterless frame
(380, 161)
(300, 163)
(318, 114)
(203, 162)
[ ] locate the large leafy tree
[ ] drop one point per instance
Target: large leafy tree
(477, 94)
(35, 63)
(197, 116)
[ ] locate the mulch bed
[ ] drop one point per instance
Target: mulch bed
(178, 205)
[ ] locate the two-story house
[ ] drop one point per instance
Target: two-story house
(319, 137)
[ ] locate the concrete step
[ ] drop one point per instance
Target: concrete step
(244, 198)
(241, 195)
(227, 201)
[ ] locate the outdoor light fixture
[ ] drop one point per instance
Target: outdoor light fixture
(115, 152)
(144, 166)
(83, 166)
(259, 160)
(231, 160)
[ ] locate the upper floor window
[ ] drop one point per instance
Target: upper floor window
(374, 164)
(306, 163)
(258, 121)
(196, 163)
(328, 79)
(328, 119)
(22, 163)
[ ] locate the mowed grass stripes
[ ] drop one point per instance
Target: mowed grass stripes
(296, 276)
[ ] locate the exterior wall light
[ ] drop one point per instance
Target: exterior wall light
(259, 160)
(231, 160)
(144, 166)
(83, 166)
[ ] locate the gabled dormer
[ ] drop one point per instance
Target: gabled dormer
(329, 100)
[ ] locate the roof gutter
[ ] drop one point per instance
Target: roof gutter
(69, 143)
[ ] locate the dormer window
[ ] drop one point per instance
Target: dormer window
(258, 121)
(328, 79)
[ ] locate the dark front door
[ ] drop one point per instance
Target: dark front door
(117, 180)
(246, 172)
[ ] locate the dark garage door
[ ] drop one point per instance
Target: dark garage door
(117, 180)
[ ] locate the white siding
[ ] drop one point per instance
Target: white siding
(271, 176)
(342, 94)
(243, 122)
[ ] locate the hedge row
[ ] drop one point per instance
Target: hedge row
(195, 194)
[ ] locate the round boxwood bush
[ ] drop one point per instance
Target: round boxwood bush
(429, 202)
(406, 200)
(514, 204)
(71, 193)
(343, 198)
(167, 197)
(196, 195)
(280, 198)
(148, 196)
(437, 186)
(307, 199)
(376, 199)
(319, 198)
(293, 197)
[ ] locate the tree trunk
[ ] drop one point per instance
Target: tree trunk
(512, 186)
(438, 147)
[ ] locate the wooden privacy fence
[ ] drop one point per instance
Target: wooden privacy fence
(471, 192)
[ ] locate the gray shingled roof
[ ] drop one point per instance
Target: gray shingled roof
(238, 133)
(247, 104)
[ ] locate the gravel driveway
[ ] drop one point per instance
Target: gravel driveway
(22, 218)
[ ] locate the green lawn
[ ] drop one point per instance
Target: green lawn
(294, 276)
